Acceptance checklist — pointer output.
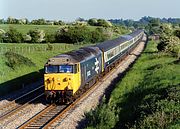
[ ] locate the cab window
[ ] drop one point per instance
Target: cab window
(51, 69)
(66, 68)
(61, 69)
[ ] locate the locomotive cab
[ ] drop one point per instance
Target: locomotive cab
(61, 79)
(66, 75)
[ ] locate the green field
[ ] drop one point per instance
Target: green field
(24, 29)
(147, 97)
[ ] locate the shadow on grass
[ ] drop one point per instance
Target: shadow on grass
(19, 83)
(140, 100)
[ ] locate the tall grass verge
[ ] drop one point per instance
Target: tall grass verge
(147, 97)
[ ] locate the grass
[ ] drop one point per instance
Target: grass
(147, 97)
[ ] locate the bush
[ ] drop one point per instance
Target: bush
(99, 22)
(72, 34)
(163, 43)
(170, 44)
(92, 22)
(76, 34)
(98, 36)
(37, 35)
(50, 38)
(49, 47)
(2, 34)
(13, 36)
(1, 38)
(16, 60)
(104, 23)
(177, 33)
(102, 118)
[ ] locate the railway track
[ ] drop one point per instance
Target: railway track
(21, 102)
(44, 117)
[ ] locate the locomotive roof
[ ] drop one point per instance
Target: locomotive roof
(73, 57)
(107, 45)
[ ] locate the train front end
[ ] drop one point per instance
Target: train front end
(61, 79)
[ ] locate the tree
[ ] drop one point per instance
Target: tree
(12, 20)
(37, 35)
(154, 22)
(73, 34)
(2, 21)
(39, 22)
(2, 34)
(23, 21)
(169, 44)
(61, 22)
(166, 29)
(50, 38)
(92, 22)
(13, 36)
(177, 33)
(129, 23)
(97, 36)
(104, 23)
(80, 19)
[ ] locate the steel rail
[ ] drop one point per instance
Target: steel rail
(14, 101)
(18, 108)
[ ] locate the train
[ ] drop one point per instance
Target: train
(67, 75)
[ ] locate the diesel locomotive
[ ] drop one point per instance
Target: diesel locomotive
(68, 74)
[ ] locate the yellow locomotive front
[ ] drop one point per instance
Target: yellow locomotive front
(61, 78)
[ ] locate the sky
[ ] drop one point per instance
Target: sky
(70, 10)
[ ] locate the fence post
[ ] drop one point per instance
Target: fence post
(1, 50)
(22, 49)
(29, 49)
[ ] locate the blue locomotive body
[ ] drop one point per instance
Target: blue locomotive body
(91, 67)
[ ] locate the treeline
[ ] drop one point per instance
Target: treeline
(144, 21)
(42, 21)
